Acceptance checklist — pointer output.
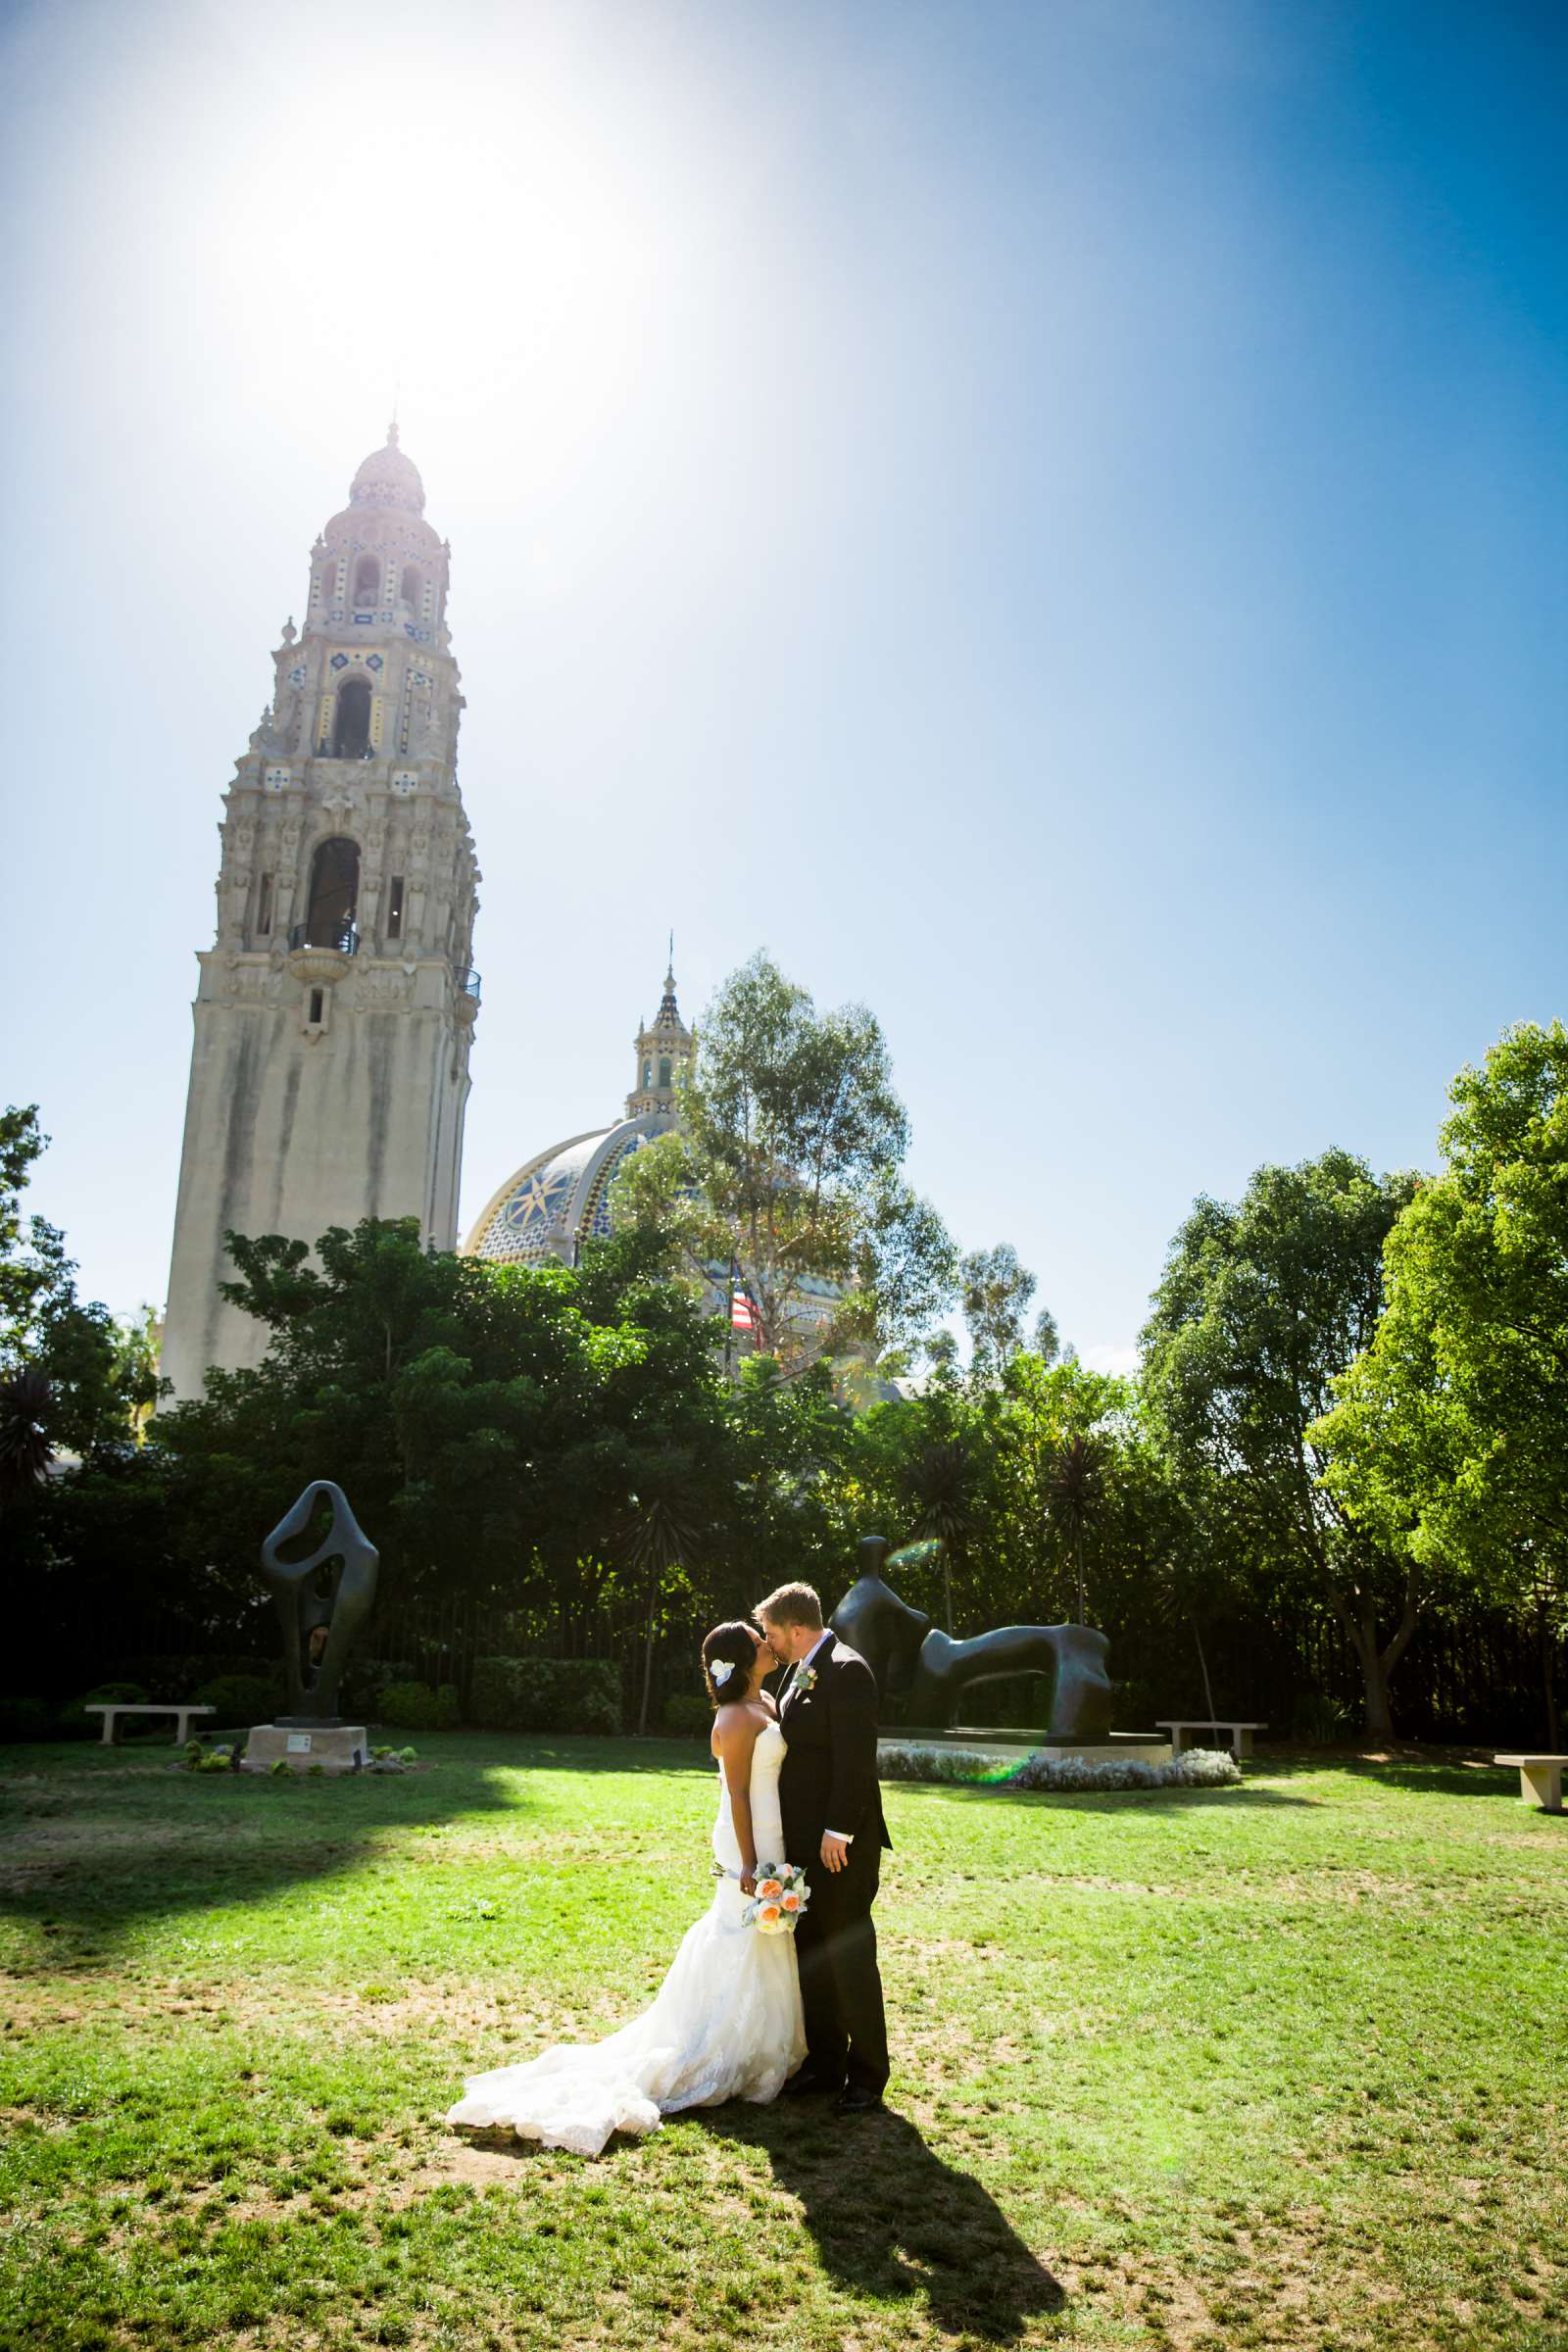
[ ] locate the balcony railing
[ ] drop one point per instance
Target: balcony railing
(466, 981)
(342, 937)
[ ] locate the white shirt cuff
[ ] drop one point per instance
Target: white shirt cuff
(848, 1836)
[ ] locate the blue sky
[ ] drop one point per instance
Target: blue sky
(1050, 519)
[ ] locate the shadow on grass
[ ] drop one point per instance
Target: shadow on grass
(890, 2219)
(101, 1838)
(1434, 1780)
(1249, 1797)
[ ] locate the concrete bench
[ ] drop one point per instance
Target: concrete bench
(1539, 1779)
(1239, 1741)
(111, 1711)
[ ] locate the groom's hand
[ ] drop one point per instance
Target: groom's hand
(835, 1851)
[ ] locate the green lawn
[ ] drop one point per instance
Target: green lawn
(1281, 2066)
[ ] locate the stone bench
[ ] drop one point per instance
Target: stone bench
(111, 1711)
(1240, 1742)
(1539, 1779)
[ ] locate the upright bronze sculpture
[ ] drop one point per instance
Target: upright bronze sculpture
(304, 1611)
(321, 1616)
(912, 1658)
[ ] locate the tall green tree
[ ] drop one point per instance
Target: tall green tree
(786, 1164)
(1262, 1304)
(34, 1268)
(90, 1379)
(996, 1289)
(495, 1426)
(1450, 1435)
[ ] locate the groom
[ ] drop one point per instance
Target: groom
(831, 1808)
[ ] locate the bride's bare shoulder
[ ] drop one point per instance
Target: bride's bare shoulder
(735, 1726)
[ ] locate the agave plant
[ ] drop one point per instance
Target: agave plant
(25, 1446)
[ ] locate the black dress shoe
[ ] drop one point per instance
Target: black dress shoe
(856, 2100)
(807, 2079)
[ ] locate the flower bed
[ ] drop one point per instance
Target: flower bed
(1194, 1768)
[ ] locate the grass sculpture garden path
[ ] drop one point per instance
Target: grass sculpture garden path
(1281, 2066)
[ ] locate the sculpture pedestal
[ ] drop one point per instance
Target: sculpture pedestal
(339, 1747)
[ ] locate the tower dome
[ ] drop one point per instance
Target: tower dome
(388, 478)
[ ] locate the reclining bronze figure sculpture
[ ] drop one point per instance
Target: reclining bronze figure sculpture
(913, 1659)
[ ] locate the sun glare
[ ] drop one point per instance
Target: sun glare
(478, 243)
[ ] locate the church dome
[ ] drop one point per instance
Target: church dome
(388, 478)
(561, 1197)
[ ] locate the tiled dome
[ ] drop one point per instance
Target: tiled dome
(388, 478)
(559, 1196)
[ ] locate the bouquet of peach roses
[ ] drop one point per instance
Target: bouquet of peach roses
(780, 1899)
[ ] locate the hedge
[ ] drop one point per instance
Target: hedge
(547, 1694)
(416, 1707)
(240, 1701)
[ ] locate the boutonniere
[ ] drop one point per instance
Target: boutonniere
(805, 1683)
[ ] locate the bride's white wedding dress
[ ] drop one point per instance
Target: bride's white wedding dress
(725, 2024)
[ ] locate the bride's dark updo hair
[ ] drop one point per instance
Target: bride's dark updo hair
(736, 1645)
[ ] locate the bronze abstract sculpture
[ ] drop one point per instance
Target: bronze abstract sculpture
(313, 1666)
(914, 1659)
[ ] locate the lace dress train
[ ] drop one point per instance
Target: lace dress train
(725, 2024)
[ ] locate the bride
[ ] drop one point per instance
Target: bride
(726, 2021)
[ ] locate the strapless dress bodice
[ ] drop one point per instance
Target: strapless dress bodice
(768, 1828)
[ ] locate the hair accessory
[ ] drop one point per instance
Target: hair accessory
(720, 1671)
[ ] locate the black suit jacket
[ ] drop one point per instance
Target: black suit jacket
(829, 1776)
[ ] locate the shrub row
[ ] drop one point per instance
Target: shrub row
(416, 1707)
(510, 1694)
(1194, 1768)
(547, 1694)
(689, 1717)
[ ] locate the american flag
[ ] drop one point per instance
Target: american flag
(741, 1313)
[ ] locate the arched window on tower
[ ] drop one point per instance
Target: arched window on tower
(368, 581)
(412, 587)
(334, 894)
(663, 1072)
(351, 733)
(648, 1073)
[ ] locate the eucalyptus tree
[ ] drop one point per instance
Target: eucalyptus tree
(784, 1166)
(996, 1289)
(1263, 1303)
(1450, 1435)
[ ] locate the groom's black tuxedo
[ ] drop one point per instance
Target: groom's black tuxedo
(828, 1782)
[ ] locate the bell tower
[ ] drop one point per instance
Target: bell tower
(335, 1009)
(663, 1053)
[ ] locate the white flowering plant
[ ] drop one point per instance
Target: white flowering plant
(1193, 1768)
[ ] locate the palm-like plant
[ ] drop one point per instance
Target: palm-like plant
(942, 1489)
(659, 1539)
(1075, 1489)
(24, 1448)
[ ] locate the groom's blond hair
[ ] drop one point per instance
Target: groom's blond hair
(792, 1604)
